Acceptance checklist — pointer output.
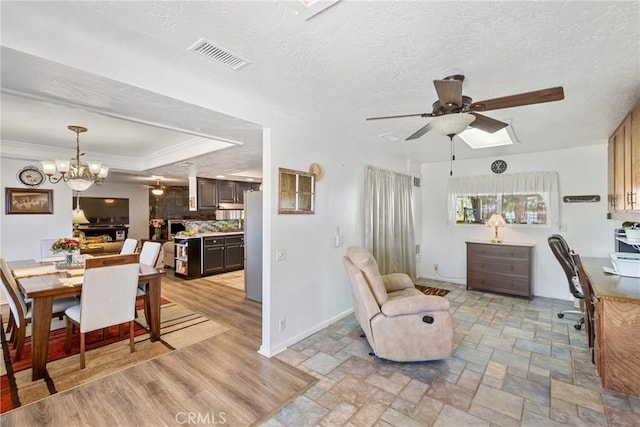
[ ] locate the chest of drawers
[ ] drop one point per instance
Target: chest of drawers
(500, 267)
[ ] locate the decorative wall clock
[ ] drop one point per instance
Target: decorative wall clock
(498, 166)
(30, 176)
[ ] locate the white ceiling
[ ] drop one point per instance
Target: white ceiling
(354, 60)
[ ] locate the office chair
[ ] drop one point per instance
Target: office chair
(561, 250)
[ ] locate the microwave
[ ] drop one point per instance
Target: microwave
(622, 244)
(174, 226)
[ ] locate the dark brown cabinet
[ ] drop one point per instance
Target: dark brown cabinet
(500, 267)
(207, 194)
(232, 191)
(226, 192)
(222, 253)
(234, 253)
(213, 255)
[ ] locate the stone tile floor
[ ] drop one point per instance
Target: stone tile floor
(515, 363)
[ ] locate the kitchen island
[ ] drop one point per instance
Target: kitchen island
(205, 254)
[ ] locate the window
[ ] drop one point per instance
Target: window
(515, 208)
(529, 198)
(297, 192)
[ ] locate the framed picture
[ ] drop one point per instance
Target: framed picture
(27, 201)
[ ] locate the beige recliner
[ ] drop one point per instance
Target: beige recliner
(399, 321)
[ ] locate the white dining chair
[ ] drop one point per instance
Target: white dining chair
(21, 311)
(108, 298)
(149, 255)
(129, 246)
(45, 248)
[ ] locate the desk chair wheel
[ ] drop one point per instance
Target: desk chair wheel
(560, 315)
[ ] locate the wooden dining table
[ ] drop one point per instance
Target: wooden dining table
(44, 288)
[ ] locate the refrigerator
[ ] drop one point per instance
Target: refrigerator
(253, 245)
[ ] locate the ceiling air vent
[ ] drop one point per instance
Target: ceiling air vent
(230, 60)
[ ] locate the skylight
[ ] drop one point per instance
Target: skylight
(307, 9)
(475, 138)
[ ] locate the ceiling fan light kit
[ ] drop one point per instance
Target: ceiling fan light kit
(157, 190)
(452, 124)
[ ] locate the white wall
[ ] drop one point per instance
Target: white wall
(310, 288)
(581, 171)
(21, 234)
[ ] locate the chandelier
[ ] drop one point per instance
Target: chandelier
(78, 176)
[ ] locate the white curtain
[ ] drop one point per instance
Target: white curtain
(543, 183)
(389, 230)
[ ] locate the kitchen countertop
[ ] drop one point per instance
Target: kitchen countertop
(212, 234)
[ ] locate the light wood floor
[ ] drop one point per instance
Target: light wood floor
(222, 379)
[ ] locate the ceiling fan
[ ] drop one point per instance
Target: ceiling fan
(453, 111)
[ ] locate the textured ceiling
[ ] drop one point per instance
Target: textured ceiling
(354, 60)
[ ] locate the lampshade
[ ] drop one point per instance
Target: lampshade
(496, 220)
(78, 217)
(452, 124)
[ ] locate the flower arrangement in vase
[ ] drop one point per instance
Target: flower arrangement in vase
(156, 223)
(68, 246)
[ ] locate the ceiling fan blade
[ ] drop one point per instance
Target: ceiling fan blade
(403, 115)
(527, 98)
(449, 92)
(487, 124)
(424, 129)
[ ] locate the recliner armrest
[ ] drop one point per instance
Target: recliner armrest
(397, 282)
(414, 304)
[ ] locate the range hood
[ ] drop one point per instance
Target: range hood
(230, 206)
(229, 214)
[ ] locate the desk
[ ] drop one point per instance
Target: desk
(43, 289)
(617, 327)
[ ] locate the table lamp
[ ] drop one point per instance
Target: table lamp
(78, 217)
(496, 221)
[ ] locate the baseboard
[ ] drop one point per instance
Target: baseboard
(279, 348)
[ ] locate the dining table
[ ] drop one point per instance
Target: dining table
(40, 280)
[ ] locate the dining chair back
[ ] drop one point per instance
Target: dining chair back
(45, 247)
(21, 312)
(108, 294)
(108, 298)
(17, 305)
(150, 253)
(129, 246)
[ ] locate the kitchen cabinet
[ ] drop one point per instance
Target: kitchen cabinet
(500, 267)
(222, 253)
(232, 191)
(213, 255)
(207, 194)
(624, 168)
(188, 254)
(234, 253)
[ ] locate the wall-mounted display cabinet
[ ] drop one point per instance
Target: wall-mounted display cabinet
(296, 192)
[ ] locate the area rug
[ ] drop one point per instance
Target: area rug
(179, 327)
(428, 290)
